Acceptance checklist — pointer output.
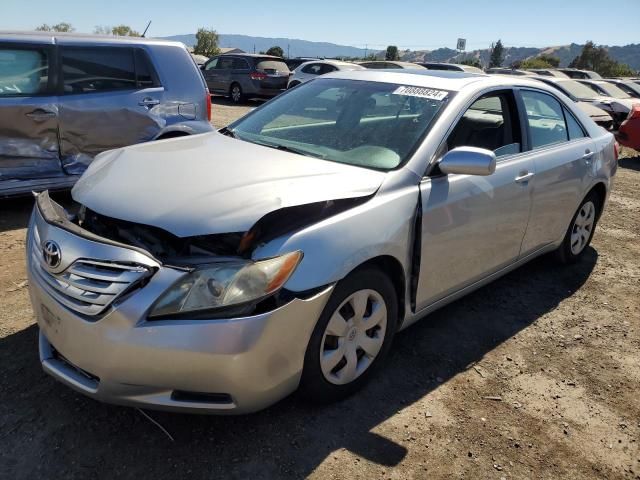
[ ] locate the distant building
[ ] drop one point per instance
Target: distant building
(231, 50)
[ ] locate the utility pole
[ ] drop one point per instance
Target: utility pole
(288, 52)
(366, 50)
(254, 48)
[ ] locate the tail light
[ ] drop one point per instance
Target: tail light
(635, 111)
(258, 75)
(208, 105)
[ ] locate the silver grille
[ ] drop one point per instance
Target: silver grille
(87, 286)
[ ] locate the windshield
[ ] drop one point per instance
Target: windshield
(613, 90)
(370, 124)
(578, 89)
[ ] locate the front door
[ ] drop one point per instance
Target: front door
(106, 102)
(473, 226)
(28, 113)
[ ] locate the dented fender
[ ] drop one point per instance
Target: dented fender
(335, 246)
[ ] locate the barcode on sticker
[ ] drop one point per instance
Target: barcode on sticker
(430, 93)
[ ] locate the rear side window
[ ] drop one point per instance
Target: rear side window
(23, 71)
(224, 63)
(272, 66)
(240, 64)
(146, 76)
(97, 69)
(574, 129)
(546, 119)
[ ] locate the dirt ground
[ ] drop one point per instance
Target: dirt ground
(534, 376)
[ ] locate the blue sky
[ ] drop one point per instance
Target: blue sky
(414, 24)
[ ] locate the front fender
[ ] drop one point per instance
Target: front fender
(337, 245)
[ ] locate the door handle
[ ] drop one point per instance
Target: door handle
(587, 155)
(524, 177)
(39, 115)
(148, 102)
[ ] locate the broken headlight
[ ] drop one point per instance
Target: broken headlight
(226, 284)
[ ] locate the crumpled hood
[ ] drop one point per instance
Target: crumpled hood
(618, 105)
(211, 183)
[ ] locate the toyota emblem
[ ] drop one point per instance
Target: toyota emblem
(51, 254)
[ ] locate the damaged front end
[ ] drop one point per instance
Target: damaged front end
(220, 278)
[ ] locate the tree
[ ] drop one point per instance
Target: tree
(275, 51)
(597, 58)
(120, 31)
(392, 53)
(472, 62)
(60, 27)
(206, 42)
(124, 31)
(497, 54)
(542, 61)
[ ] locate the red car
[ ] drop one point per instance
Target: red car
(629, 131)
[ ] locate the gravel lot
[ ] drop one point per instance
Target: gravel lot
(534, 376)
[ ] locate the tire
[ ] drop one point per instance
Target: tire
(235, 93)
(580, 231)
(373, 292)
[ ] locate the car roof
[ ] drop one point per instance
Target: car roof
(251, 55)
(71, 38)
(438, 79)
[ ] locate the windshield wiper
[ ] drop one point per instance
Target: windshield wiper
(299, 151)
(228, 132)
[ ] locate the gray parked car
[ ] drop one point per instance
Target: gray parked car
(219, 273)
(64, 98)
(241, 76)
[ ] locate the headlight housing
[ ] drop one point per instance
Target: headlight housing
(226, 284)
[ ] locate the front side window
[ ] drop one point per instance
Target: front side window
(313, 69)
(547, 125)
(211, 64)
(370, 124)
(491, 122)
(224, 63)
(89, 69)
(23, 71)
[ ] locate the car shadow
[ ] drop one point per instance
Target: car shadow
(15, 212)
(291, 438)
(227, 102)
(632, 163)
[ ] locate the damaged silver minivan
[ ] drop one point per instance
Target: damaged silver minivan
(64, 98)
(223, 271)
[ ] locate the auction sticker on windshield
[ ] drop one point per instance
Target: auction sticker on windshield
(430, 93)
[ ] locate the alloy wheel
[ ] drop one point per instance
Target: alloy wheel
(353, 337)
(236, 93)
(582, 227)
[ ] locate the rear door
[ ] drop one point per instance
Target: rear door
(28, 113)
(222, 74)
(111, 97)
(472, 226)
(563, 154)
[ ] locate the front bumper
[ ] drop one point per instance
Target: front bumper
(234, 365)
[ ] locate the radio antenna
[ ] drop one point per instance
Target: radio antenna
(145, 30)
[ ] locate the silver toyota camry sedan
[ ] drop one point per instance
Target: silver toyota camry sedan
(221, 272)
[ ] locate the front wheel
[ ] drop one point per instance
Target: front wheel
(352, 336)
(580, 231)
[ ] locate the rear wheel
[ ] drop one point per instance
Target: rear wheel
(352, 336)
(235, 92)
(581, 230)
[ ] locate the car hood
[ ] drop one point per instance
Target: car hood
(591, 110)
(211, 183)
(617, 105)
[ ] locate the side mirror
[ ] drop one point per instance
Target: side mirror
(468, 161)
